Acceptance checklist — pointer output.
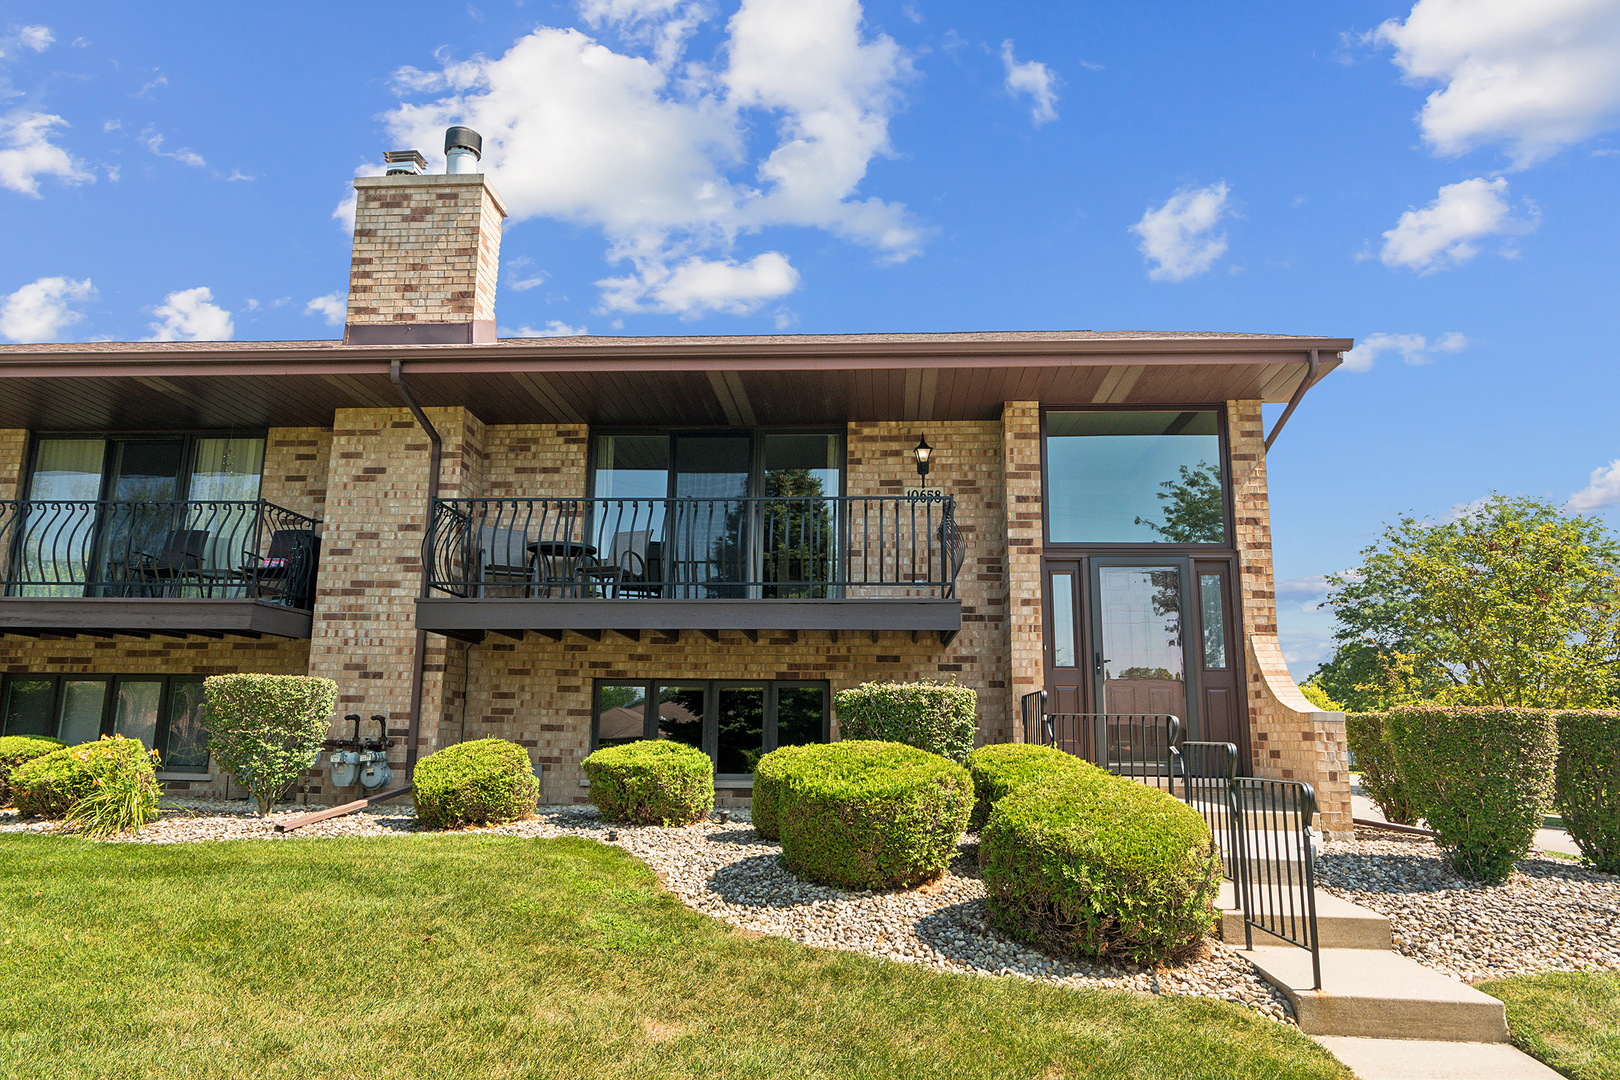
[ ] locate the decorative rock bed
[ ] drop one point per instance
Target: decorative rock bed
(1551, 915)
(724, 869)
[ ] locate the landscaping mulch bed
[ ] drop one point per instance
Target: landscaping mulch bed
(724, 869)
(1551, 915)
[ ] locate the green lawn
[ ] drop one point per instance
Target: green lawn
(1569, 1019)
(497, 957)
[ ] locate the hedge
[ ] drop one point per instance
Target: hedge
(941, 718)
(1000, 769)
(871, 815)
(1090, 864)
(114, 774)
(265, 730)
(652, 782)
(483, 782)
(1482, 777)
(770, 779)
(1587, 784)
(1374, 755)
(16, 749)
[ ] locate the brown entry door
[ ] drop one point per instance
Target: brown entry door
(1067, 672)
(1214, 658)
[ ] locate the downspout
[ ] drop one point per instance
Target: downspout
(1293, 402)
(435, 453)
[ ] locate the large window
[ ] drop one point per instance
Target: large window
(1116, 477)
(735, 722)
(164, 712)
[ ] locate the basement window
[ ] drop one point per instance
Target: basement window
(164, 712)
(735, 722)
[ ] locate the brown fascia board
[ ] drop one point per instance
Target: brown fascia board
(853, 352)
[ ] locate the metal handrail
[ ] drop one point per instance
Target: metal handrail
(1137, 745)
(215, 549)
(695, 548)
(1276, 872)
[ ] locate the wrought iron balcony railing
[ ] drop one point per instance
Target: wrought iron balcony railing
(236, 549)
(693, 549)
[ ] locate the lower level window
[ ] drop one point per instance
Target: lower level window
(734, 722)
(165, 712)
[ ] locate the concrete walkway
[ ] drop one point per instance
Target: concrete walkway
(1548, 839)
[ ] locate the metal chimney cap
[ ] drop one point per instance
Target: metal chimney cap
(405, 161)
(464, 137)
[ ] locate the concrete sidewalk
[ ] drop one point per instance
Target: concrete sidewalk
(1548, 839)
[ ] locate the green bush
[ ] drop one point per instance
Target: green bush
(101, 787)
(1482, 777)
(1372, 753)
(871, 815)
(267, 729)
(1587, 784)
(940, 718)
(16, 749)
(652, 782)
(1090, 864)
(1001, 769)
(484, 782)
(770, 780)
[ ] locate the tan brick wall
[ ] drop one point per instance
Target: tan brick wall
(535, 460)
(158, 656)
(13, 461)
(1290, 739)
(426, 249)
(364, 634)
(295, 466)
(1021, 449)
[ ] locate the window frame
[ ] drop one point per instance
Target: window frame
(756, 452)
(112, 437)
(1074, 548)
(109, 708)
(711, 711)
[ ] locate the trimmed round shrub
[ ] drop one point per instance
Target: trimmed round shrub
(104, 787)
(1587, 784)
(265, 730)
(1090, 864)
(484, 782)
(1482, 777)
(16, 749)
(941, 718)
(770, 781)
(1001, 769)
(652, 782)
(1374, 755)
(871, 815)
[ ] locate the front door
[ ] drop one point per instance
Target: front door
(1139, 662)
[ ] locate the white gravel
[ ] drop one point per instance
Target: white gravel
(724, 869)
(1551, 915)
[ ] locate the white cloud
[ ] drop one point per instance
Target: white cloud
(698, 286)
(334, 307)
(344, 213)
(1602, 492)
(1444, 234)
(525, 284)
(191, 315)
(554, 328)
(37, 38)
(185, 155)
(26, 153)
(1536, 76)
(39, 311)
(658, 154)
(1179, 236)
(1035, 79)
(1414, 348)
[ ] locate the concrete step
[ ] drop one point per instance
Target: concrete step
(1339, 923)
(1374, 994)
(1417, 1059)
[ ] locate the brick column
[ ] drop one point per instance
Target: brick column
(1021, 442)
(13, 451)
(1289, 738)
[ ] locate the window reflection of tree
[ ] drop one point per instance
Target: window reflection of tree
(1166, 599)
(1194, 511)
(796, 541)
(680, 716)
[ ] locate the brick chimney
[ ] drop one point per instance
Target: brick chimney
(426, 251)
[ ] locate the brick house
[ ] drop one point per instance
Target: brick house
(698, 538)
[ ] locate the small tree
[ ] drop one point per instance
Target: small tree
(266, 729)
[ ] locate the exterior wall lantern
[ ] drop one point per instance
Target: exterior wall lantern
(923, 452)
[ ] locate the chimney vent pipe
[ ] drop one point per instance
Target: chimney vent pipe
(463, 147)
(409, 162)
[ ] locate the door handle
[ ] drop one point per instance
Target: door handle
(1099, 659)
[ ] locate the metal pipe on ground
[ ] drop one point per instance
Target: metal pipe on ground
(435, 453)
(1374, 823)
(339, 811)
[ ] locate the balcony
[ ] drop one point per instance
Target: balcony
(173, 568)
(860, 564)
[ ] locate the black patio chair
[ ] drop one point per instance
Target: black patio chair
(285, 574)
(176, 563)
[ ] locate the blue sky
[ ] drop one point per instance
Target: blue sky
(1437, 181)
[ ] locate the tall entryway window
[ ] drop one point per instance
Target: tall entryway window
(735, 722)
(1138, 606)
